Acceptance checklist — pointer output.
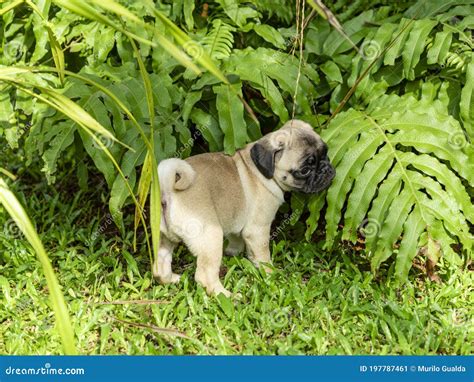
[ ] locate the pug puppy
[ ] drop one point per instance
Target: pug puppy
(211, 196)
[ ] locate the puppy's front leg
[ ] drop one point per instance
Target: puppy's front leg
(208, 249)
(257, 243)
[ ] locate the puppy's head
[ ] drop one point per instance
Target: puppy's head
(295, 157)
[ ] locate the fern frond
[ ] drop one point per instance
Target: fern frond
(219, 41)
(274, 66)
(403, 179)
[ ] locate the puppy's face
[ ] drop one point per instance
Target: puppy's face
(295, 157)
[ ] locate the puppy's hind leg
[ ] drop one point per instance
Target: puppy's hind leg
(162, 265)
(208, 247)
(257, 243)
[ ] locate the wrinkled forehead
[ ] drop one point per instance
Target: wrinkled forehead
(305, 138)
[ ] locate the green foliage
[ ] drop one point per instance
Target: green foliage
(401, 175)
(402, 150)
(423, 75)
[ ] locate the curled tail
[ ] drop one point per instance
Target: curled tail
(175, 175)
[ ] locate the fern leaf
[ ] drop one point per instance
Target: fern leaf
(63, 134)
(467, 101)
(188, 8)
(438, 51)
(219, 41)
(396, 49)
(387, 192)
(208, 125)
(348, 170)
(415, 45)
(413, 228)
(238, 15)
(269, 91)
(391, 228)
(279, 67)
(270, 34)
(431, 167)
(402, 179)
(231, 117)
(364, 190)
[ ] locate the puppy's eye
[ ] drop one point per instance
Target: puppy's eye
(305, 171)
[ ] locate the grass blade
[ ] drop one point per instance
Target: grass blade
(84, 9)
(10, 6)
(18, 214)
(143, 190)
(57, 52)
(155, 199)
(324, 11)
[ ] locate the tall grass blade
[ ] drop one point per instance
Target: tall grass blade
(155, 199)
(18, 214)
(57, 52)
(10, 6)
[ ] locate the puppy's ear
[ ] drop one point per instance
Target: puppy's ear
(264, 158)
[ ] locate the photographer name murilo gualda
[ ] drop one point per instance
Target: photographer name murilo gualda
(443, 369)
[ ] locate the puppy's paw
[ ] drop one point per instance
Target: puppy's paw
(221, 290)
(268, 270)
(171, 278)
(267, 267)
(175, 278)
(237, 296)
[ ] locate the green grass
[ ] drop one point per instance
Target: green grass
(314, 303)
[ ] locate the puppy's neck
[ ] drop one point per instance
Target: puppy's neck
(270, 185)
